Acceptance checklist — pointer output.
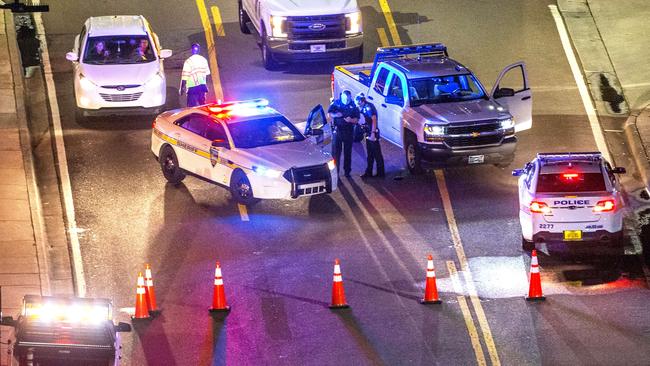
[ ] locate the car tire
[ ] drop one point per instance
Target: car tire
(243, 19)
(241, 189)
(169, 166)
(413, 154)
(527, 245)
(79, 116)
(267, 56)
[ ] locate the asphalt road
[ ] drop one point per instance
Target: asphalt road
(278, 266)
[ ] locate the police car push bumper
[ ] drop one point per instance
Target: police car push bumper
(290, 186)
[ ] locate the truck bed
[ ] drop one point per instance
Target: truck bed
(356, 71)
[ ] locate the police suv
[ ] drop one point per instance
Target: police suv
(570, 198)
(246, 146)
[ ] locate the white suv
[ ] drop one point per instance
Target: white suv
(118, 67)
(570, 199)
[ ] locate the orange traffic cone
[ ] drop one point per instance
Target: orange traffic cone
(535, 290)
(150, 292)
(141, 311)
(431, 289)
(338, 294)
(219, 296)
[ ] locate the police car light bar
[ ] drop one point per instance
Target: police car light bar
(72, 310)
(574, 156)
(230, 106)
(421, 50)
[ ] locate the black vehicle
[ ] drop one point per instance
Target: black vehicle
(55, 330)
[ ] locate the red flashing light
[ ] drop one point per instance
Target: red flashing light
(605, 206)
(332, 84)
(570, 176)
(153, 125)
(539, 207)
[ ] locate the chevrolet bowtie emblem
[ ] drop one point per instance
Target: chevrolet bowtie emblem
(476, 134)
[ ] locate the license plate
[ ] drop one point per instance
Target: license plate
(476, 159)
(315, 48)
(572, 234)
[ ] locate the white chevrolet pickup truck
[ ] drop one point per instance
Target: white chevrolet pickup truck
(437, 110)
(303, 29)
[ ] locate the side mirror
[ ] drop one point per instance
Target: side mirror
(504, 92)
(619, 170)
(517, 172)
(316, 132)
(165, 53)
(221, 143)
(123, 327)
(8, 321)
(72, 56)
(391, 99)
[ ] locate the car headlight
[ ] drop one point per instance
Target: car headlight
(507, 123)
(269, 173)
(331, 164)
(85, 83)
(278, 26)
(353, 23)
(433, 131)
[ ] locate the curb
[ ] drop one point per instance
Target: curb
(637, 150)
(38, 224)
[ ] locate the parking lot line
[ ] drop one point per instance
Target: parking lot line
(588, 104)
(218, 23)
(383, 38)
(212, 50)
(243, 212)
(464, 309)
(391, 22)
(464, 266)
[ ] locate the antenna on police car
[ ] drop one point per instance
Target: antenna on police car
(18, 7)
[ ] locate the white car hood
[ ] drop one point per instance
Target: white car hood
(310, 7)
(130, 74)
(285, 156)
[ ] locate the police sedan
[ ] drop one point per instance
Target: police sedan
(248, 147)
(570, 198)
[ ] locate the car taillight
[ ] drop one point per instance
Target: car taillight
(153, 125)
(605, 206)
(539, 207)
(332, 84)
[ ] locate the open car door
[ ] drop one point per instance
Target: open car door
(317, 128)
(513, 91)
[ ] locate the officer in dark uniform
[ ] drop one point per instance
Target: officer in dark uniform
(345, 115)
(373, 148)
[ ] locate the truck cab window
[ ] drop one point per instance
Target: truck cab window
(380, 83)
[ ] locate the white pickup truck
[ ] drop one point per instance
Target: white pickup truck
(303, 29)
(437, 110)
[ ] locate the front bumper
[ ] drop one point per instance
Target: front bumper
(440, 154)
(285, 50)
(283, 189)
(98, 100)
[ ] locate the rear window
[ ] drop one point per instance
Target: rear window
(570, 183)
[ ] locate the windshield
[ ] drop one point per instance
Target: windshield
(115, 50)
(570, 183)
(445, 89)
(264, 131)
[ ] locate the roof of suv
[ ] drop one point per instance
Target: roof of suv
(117, 25)
(429, 66)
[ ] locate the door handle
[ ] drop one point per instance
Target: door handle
(526, 97)
(369, 97)
(383, 105)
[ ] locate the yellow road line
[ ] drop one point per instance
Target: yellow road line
(243, 212)
(464, 266)
(391, 22)
(212, 50)
(464, 309)
(383, 38)
(218, 23)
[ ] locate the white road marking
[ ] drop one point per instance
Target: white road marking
(62, 163)
(582, 86)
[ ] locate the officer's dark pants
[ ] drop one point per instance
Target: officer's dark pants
(373, 149)
(196, 95)
(343, 141)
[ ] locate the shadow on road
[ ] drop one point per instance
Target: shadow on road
(365, 345)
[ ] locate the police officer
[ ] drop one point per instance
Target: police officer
(345, 115)
(373, 148)
(194, 78)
